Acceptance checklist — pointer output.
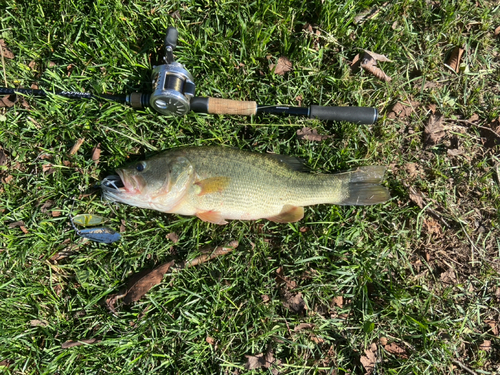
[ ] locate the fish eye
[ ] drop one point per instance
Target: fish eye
(140, 166)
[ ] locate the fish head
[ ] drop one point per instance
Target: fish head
(159, 183)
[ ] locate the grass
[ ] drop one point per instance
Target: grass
(424, 279)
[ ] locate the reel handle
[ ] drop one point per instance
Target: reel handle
(171, 37)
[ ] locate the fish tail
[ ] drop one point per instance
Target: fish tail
(364, 187)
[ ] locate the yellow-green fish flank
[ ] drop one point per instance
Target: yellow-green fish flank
(220, 183)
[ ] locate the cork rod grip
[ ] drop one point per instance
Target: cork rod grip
(231, 107)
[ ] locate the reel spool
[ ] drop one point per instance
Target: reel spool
(173, 85)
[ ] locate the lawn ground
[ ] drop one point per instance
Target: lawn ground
(408, 286)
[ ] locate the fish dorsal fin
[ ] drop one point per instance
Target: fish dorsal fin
(291, 162)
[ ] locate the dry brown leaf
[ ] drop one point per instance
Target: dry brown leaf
(355, 63)
(434, 130)
(369, 64)
(76, 146)
(281, 278)
(56, 213)
(396, 349)
(417, 197)
(431, 226)
(448, 277)
(474, 118)
(497, 31)
(45, 207)
(455, 151)
(265, 298)
(302, 326)
(316, 339)
(311, 135)
(8, 101)
(39, 323)
(283, 66)
(338, 301)
(210, 340)
(174, 237)
(377, 57)
(493, 326)
(24, 230)
(145, 283)
(47, 168)
(5, 51)
(383, 341)
(221, 250)
(455, 58)
(403, 109)
(294, 302)
(16, 224)
(486, 345)
(71, 343)
(260, 360)
(369, 359)
(96, 153)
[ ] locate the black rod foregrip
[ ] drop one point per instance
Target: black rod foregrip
(358, 115)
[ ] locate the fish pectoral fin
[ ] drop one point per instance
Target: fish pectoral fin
(214, 217)
(288, 214)
(212, 185)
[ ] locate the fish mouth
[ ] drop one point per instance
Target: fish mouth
(113, 182)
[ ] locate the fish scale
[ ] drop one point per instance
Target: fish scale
(218, 183)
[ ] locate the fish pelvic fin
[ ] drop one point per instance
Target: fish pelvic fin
(213, 217)
(364, 187)
(288, 214)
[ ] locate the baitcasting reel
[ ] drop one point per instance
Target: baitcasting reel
(174, 88)
(173, 85)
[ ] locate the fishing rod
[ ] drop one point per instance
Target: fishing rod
(174, 89)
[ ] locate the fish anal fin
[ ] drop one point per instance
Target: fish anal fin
(214, 217)
(212, 185)
(288, 214)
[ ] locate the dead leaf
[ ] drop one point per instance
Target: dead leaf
(174, 237)
(338, 301)
(369, 359)
(413, 170)
(355, 63)
(434, 130)
(294, 302)
(431, 226)
(47, 168)
(5, 52)
(448, 277)
(493, 326)
(265, 298)
(23, 229)
(474, 118)
(302, 326)
(220, 250)
(210, 340)
(316, 339)
(403, 109)
(146, 282)
(96, 153)
(39, 323)
(455, 152)
(283, 66)
(70, 68)
(454, 59)
(396, 349)
(377, 57)
(16, 224)
(486, 345)
(417, 197)
(76, 146)
(46, 206)
(8, 101)
(71, 343)
(311, 135)
(32, 65)
(260, 360)
(383, 341)
(56, 213)
(369, 63)
(299, 99)
(8, 179)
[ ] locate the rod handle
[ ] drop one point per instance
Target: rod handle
(223, 106)
(359, 115)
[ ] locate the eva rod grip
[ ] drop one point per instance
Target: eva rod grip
(359, 115)
(223, 106)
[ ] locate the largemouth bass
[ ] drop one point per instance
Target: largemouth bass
(221, 183)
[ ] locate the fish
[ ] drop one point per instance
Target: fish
(217, 183)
